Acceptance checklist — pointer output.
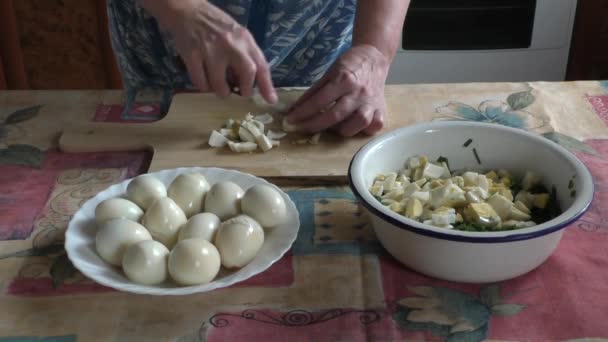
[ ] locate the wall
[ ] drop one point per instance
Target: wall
(57, 44)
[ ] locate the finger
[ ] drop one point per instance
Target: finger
(245, 72)
(263, 76)
(196, 70)
(343, 108)
(377, 123)
(322, 98)
(359, 121)
(216, 74)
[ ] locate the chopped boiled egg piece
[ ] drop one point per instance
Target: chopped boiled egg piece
(506, 181)
(479, 192)
(410, 189)
(492, 175)
(275, 135)
(470, 178)
(506, 192)
(229, 133)
(501, 205)
(482, 214)
(242, 146)
(396, 207)
(413, 162)
(459, 218)
(518, 215)
(264, 142)
(389, 181)
(396, 194)
(413, 209)
(217, 139)
(530, 180)
(458, 180)
(264, 118)
(525, 197)
(432, 171)
(377, 189)
(444, 216)
(540, 201)
(471, 197)
(421, 181)
(246, 135)
(403, 179)
(422, 196)
(483, 182)
(522, 207)
(447, 196)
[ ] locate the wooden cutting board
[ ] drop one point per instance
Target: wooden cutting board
(180, 140)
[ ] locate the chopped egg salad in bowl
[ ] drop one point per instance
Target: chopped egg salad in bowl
(182, 231)
(469, 202)
(431, 193)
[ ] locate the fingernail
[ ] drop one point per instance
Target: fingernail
(274, 98)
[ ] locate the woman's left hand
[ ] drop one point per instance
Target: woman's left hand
(348, 98)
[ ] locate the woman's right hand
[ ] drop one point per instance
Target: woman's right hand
(212, 45)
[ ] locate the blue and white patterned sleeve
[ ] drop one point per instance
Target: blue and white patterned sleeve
(304, 37)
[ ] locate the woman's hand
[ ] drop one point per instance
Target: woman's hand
(212, 46)
(349, 97)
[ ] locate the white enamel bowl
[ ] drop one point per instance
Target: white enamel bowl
(80, 238)
(473, 257)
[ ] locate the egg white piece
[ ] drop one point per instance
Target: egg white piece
(115, 236)
(193, 262)
(163, 220)
(265, 205)
(224, 199)
(202, 226)
(238, 240)
(144, 190)
(188, 191)
(145, 262)
(114, 208)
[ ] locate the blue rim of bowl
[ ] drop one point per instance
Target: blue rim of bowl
(463, 238)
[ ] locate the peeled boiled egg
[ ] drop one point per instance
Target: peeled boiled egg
(201, 226)
(145, 262)
(224, 200)
(193, 262)
(265, 205)
(163, 220)
(188, 191)
(117, 208)
(238, 240)
(114, 236)
(144, 190)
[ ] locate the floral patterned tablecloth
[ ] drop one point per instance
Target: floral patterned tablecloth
(336, 283)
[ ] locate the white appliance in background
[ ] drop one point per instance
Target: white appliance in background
(484, 41)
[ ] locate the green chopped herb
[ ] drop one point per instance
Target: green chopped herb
(573, 193)
(571, 184)
(467, 143)
(516, 186)
(476, 156)
(474, 227)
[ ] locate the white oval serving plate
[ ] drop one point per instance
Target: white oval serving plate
(80, 238)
